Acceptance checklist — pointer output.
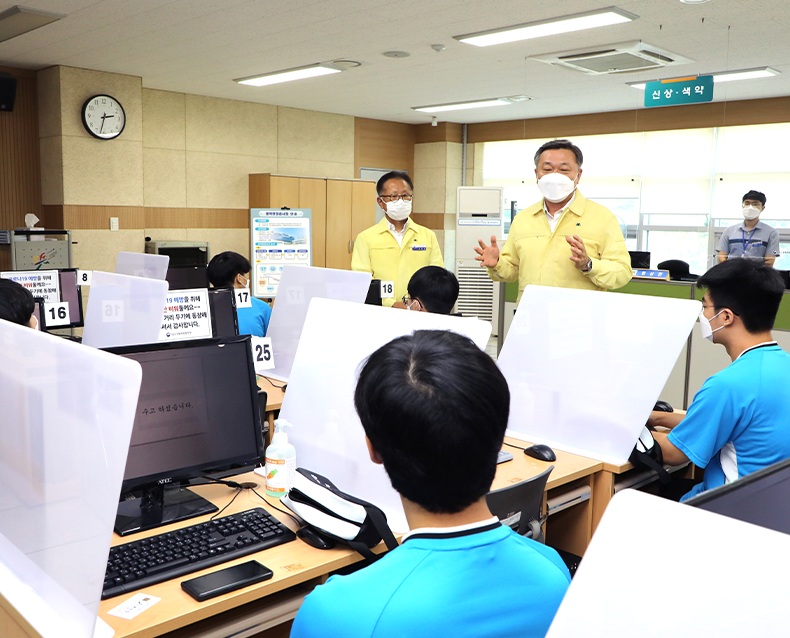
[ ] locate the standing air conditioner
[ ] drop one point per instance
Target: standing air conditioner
(479, 216)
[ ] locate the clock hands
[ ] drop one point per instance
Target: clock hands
(104, 117)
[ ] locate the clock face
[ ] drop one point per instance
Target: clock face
(103, 117)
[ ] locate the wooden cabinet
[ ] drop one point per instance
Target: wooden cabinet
(341, 209)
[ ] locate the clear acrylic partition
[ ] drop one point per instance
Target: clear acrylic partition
(737, 570)
(327, 434)
(123, 310)
(585, 368)
(142, 265)
(298, 285)
(64, 435)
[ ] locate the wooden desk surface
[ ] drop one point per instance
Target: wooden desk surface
(274, 393)
(292, 563)
(619, 469)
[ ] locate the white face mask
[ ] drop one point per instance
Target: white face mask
(246, 281)
(398, 210)
(704, 325)
(751, 212)
(555, 187)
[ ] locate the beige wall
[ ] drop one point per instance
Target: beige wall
(177, 152)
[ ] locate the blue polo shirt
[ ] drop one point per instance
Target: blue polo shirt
(484, 581)
(255, 320)
(737, 423)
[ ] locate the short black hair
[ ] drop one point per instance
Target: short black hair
(754, 195)
(393, 175)
(435, 287)
(750, 289)
(560, 144)
(435, 407)
(16, 302)
(223, 268)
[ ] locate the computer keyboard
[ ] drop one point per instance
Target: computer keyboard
(155, 559)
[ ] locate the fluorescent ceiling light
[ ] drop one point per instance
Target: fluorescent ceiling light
(726, 76)
(18, 20)
(459, 106)
(554, 26)
(288, 75)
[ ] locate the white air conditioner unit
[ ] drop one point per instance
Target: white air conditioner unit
(614, 58)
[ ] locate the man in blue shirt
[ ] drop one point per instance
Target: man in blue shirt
(435, 408)
(737, 423)
(232, 270)
(752, 239)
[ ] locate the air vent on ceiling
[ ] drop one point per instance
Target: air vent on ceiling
(614, 58)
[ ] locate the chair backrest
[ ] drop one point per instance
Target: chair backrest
(518, 505)
(678, 269)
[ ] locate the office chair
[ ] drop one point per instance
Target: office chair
(678, 270)
(519, 505)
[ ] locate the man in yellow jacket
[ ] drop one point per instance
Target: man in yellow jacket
(395, 248)
(565, 239)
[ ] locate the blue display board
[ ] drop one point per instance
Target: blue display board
(279, 237)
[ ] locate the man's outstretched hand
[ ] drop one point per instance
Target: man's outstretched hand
(488, 256)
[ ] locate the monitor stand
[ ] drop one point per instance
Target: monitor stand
(159, 506)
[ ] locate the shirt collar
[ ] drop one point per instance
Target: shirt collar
(392, 229)
(564, 208)
(764, 344)
(749, 230)
(451, 532)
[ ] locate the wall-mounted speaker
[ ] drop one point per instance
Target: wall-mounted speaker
(7, 91)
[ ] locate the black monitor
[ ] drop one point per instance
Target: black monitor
(222, 304)
(760, 498)
(69, 292)
(374, 293)
(38, 312)
(639, 259)
(187, 277)
(197, 414)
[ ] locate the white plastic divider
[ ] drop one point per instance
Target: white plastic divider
(327, 433)
(64, 436)
(298, 285)
(585, 368)
(142, 265)
(737, 569)
(123, 310)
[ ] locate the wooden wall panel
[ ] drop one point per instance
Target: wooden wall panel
(338, 229)
(260, 190)
(20, 172)
(363, 207)
(434, 221)
(380, 144)
(284, 192)
(736, 113)
(76, 217)
(312, 195)
(442, 132)
(98, 217)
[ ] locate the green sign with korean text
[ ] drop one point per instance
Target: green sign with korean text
(679, 91)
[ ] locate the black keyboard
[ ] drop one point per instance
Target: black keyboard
(158, 558)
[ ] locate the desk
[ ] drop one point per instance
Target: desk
(298, 567)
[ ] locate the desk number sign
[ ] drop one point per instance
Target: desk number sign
(243, 298)
(387, 289)
(57, 314)
(262, 354)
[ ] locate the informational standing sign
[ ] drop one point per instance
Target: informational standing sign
(186, 316)
(278, 237)
(42, 283)
(679, 91)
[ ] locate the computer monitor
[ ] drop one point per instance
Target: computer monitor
(65, 287)
(38, 312)
(187, 277)
(197, 414)
(374, 293)
(759, 498)
(639, 259)
(222, 304)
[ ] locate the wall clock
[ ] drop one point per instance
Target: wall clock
(103, 117)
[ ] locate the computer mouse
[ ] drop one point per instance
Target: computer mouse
(315, 538)
(541, 452)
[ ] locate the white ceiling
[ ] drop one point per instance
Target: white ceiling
(200, 46)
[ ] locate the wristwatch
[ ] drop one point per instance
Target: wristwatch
(589, 266)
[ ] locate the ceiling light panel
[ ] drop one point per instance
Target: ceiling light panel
(725, 76)
(460, 106)
(554, 26)
(289, 75)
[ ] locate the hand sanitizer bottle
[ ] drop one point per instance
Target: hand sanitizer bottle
(280, 462)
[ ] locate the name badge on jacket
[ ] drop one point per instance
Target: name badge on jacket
(418, 247)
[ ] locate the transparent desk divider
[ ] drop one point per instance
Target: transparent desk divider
(327, 434)
(142, 265)
(123, 310)
(298, 285)
(737, 570)
(67, 420)
(585, 368)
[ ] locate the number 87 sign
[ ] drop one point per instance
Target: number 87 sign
(262, 353)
